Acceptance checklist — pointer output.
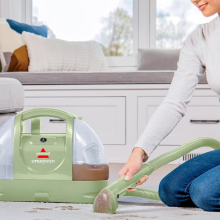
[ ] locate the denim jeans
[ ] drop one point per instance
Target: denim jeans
(195, 183)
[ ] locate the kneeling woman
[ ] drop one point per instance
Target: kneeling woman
(196, 182)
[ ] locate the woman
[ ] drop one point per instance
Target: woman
(195, 183)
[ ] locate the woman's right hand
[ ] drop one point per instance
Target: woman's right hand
(132, 166)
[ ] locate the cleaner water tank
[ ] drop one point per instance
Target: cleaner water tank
(89, 159)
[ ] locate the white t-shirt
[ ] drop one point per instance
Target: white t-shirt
(200, 53)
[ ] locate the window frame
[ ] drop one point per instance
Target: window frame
(144, 24)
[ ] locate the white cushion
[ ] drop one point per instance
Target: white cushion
(58, 55)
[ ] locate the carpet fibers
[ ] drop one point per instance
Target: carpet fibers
(59, 211)
(130, 208)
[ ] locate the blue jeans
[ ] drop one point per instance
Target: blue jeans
(195, 183)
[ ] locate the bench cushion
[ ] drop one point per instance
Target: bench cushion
(92, 78)
(12, 95)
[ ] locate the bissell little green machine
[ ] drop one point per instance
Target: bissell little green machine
(69, 167)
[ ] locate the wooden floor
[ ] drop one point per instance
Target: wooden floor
(153, 180)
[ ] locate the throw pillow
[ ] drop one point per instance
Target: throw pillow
(158, 59)
(19, 60)
(58, 55)
(11, 41)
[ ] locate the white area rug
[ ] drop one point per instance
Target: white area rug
(130, 208)
(59, 211)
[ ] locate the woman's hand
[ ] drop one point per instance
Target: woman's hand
(132, 166)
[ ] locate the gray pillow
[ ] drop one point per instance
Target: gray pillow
(158, 59)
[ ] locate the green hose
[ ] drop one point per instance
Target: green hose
(106, 200)
(171, 156)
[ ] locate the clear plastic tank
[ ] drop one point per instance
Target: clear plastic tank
(90, 162)
(7, 149)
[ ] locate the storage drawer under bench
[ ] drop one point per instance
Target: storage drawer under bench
(202, 119)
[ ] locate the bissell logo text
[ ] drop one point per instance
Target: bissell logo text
(43, 154)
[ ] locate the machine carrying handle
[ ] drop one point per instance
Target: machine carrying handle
(42, 112)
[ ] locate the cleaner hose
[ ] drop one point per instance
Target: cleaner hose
(169, 157)
(106, 200)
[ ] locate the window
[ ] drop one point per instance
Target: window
(120, 26)
(108, 22)
(175, 20)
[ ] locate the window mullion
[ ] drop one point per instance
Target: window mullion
(28, 11)
(144, 24)
(135, 26)
(152, 6)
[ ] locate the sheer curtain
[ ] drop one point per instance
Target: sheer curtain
(13, 9)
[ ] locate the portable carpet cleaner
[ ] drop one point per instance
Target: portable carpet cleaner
(69, 167)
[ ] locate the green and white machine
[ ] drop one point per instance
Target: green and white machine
(70, 167)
